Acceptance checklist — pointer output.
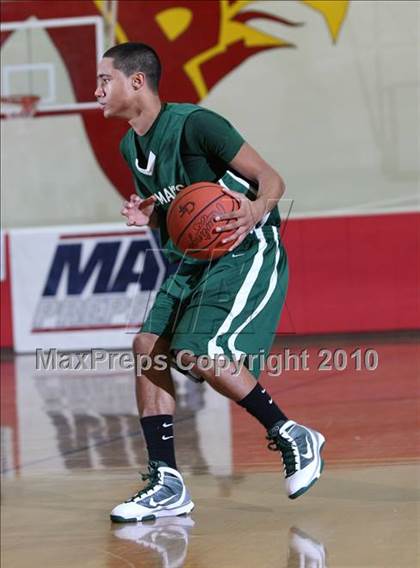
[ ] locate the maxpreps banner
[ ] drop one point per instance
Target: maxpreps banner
(82, 287)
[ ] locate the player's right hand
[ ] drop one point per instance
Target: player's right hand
(138, 211)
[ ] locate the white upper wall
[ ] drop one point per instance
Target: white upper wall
(339, 122)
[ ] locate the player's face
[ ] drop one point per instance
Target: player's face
(113, 90)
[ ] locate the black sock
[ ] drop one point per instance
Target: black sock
(262, 407)
(159, 434)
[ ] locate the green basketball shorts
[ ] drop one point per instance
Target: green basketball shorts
(229, 307)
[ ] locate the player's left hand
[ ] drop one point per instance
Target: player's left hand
(244, 219)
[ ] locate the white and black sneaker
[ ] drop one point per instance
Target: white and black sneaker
(301, 451)
(164, 496)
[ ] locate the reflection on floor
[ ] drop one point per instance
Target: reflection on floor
(71, 448)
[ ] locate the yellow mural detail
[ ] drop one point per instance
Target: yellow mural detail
(174, 21)
(333, 11)
(120, 34)
(230, 32)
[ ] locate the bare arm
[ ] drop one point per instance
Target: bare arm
(270, 185)
(270, 189)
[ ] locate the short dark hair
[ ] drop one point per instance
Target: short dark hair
(133, 57)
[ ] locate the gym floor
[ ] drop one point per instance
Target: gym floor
(71, 450)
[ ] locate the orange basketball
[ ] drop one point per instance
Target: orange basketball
(191, 223)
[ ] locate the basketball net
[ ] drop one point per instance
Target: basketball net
(18, 106)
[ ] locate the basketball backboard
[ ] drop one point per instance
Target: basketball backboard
(43, 57)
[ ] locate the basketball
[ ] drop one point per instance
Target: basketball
(191, 223)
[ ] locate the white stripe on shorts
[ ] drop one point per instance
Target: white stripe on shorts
(271, 287)
(241, 297)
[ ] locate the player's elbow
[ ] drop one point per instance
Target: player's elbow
(281, 184)
(272, 179)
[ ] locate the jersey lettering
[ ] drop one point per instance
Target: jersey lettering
(168, 194)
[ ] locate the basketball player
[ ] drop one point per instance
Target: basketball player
(230, 306)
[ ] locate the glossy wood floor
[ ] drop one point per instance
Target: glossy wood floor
(71, 450)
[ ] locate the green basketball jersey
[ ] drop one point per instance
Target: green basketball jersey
(155, 160)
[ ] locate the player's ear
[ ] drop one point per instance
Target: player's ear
(138, 80)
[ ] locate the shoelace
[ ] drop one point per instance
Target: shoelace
(288, 452)
(152, 476)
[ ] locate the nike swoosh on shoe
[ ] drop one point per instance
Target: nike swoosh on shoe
(153, 503)
(309, 454)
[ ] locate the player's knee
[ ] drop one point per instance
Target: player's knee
(143, 344)
(186, 359)
(201, 366)
(151, 353)
(150, 344)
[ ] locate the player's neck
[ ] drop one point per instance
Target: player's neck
(146, 116)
